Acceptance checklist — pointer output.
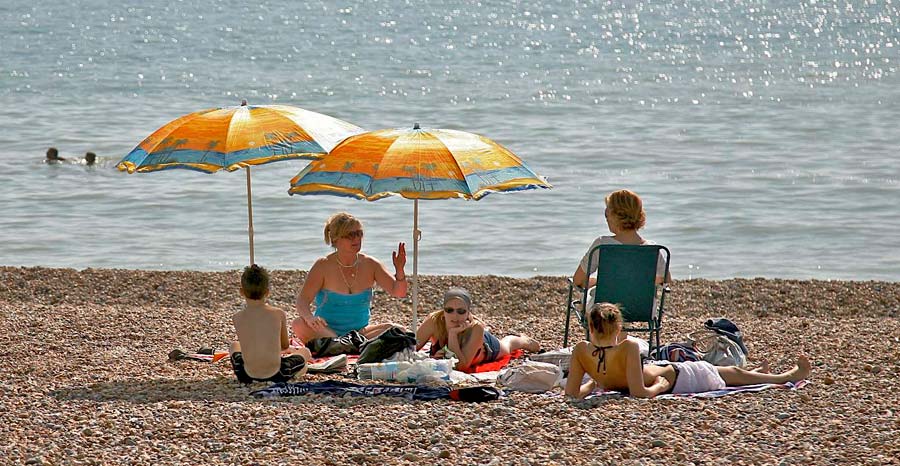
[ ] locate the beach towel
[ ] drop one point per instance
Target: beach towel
(498, 364)
(561, 357)
(732, 390)
(409, 392)
(600, 396)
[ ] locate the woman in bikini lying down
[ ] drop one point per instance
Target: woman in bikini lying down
(614, 363)
(455, 332)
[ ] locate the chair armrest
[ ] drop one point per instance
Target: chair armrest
(573, 286)
(574, 299)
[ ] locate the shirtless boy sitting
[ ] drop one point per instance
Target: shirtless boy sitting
(262, 351)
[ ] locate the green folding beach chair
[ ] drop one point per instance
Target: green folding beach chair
(626, 275)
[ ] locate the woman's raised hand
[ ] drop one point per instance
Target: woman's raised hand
(399, 258)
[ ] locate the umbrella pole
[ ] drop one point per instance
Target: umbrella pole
(250, 215)
(415, 291)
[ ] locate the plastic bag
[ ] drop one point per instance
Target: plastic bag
(717, 349)
(406, 371)
(531, 377)
(727, 328)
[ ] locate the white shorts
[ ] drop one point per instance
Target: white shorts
(696, 377)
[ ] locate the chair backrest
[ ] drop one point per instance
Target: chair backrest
(626, 275)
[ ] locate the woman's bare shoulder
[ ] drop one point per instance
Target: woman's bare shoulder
(322, 261)
(367, 259)
(319, 268)
(630, 347)
(582, 347)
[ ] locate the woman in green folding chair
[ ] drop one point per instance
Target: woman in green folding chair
(624, 217)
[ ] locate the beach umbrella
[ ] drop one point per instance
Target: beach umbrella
(416, 164)
(237, 137)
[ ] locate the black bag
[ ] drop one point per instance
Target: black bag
(476, 394)
(351, 343)
(393, 340)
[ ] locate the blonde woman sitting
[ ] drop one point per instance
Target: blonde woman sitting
(340, 284)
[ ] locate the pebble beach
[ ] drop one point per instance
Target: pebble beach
(85, 380)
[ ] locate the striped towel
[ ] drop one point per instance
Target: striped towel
(732, 390)
(600, 396)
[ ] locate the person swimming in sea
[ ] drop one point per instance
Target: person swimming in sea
(53, 156)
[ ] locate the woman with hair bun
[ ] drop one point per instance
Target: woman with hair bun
(624, 217)
(340, 284)
(613, 362)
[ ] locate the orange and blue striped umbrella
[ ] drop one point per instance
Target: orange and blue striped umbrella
(238, 137)
(416, 164)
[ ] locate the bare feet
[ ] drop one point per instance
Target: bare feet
(763, 367)
(531, 345)
(802, 370)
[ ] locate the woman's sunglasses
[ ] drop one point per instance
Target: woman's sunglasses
(354, 234)
(460, 311)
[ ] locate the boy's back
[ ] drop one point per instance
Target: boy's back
(262, 333)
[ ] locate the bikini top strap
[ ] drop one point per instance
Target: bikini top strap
(600, 353)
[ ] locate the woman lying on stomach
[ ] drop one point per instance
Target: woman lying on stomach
(455, 332)
(614, 363)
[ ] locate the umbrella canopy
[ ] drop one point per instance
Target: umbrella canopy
(416, 164)
(238, 137)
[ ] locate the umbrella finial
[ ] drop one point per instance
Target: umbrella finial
(416, 126)
(243, 102)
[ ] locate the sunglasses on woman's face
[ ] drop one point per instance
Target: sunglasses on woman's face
(460, 310)
(354, 234)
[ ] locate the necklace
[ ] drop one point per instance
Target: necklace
(354, 264)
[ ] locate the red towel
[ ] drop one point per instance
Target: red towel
(498, 364)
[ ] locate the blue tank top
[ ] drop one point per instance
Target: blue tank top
(344, 312)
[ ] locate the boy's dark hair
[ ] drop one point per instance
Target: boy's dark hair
(255, 282)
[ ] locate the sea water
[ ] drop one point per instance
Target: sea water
(762, 135)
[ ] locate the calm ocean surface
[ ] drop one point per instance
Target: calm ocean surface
(762, 135)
